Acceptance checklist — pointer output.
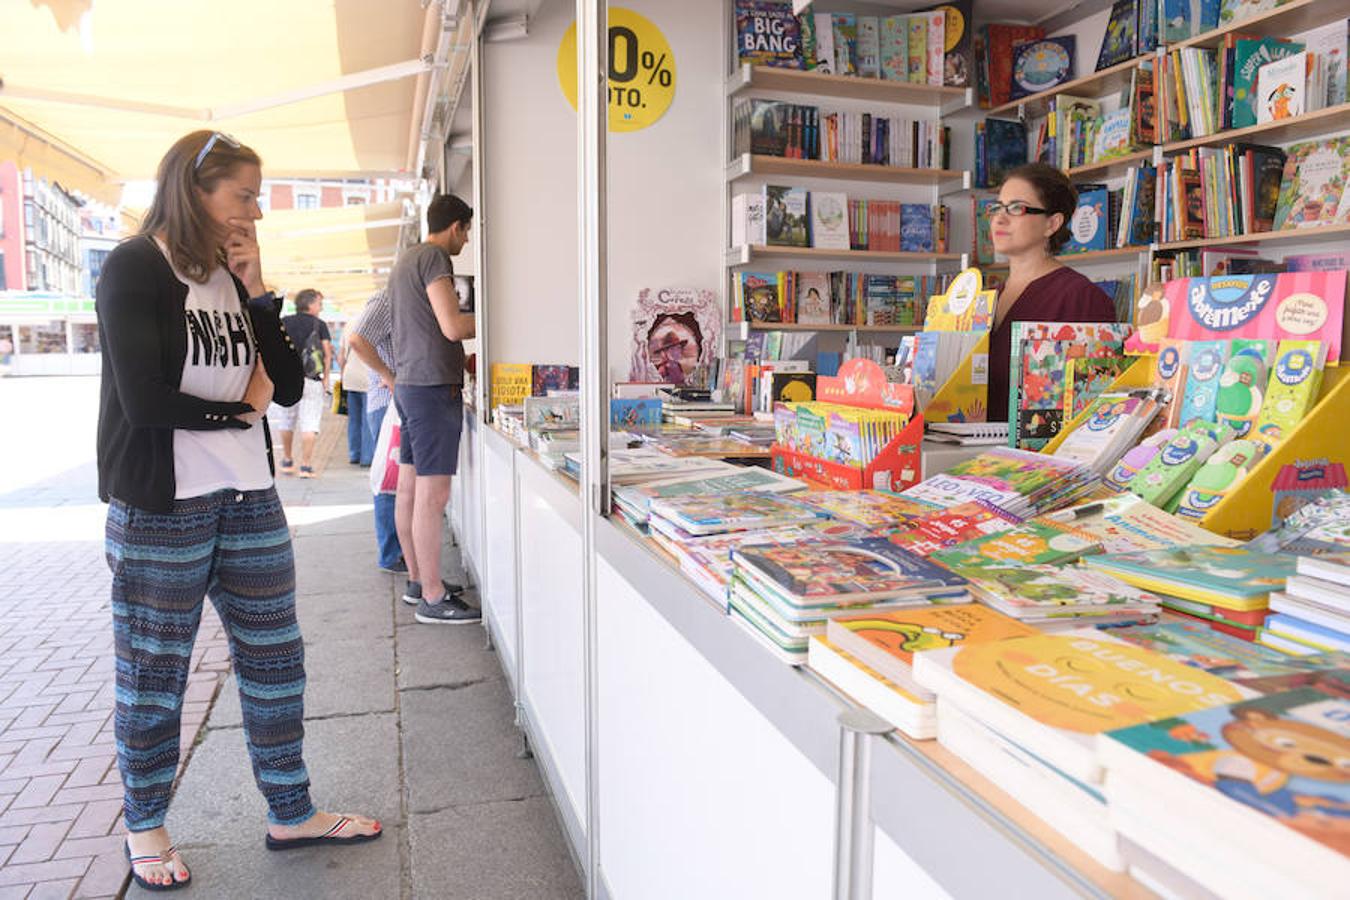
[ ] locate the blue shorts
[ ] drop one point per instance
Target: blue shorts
(433, 416)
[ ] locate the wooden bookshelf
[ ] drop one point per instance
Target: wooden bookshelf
(1109, 168)
(1287, 236)
(845, 87)
(1096, 84)
(742, 256)
(748, 165)
(1293, 17)
(1313, 124)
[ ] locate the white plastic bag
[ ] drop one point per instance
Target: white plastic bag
(384, 468)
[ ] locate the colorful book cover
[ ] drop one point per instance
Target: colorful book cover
(1121, 41)
(768, 34)
(1225, 467)
(885, 639)
(1128, 524)
(845, 26)
(937, 45)
(943, 528)
(1281, 88)
(1090, 221)
(511, 383)
(1038, 542)
(1040, 65)
(918, 49)
(829, 220)
(1176, 462)
(553, 412)
(1242, 386)
(1249, 56)
(786, 222)
(824, 573)
(1104, 338)
(1108, 417)
(916, 228)
(1005, 148)
(1041, 590)
(1206, 362)
(877, 510)
(1274, 755)
(550, 378)
(869, 47)
(958, 61)
(759, 295)
(1295, 380)
(1284, 306)
(1234, 578)
(737, 511)
(639, 496)
(1217, 653)
(895, 48)
(826, 55)
(634, 413)
(1313, 186)
(1002, 42)
(1119, 476)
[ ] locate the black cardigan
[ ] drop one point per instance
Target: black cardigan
(142, 327)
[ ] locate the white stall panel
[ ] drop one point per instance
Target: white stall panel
(700, 796)
(552, 641)
(498, 592)
(894, 874)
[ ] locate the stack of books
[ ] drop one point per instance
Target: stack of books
(1251, 665)
(1114, 424)
(1017, 481)
(1262, 776)
(1057, 597)
(880, 511)
(870, 657)
(943, 528)
(1312, 614)
(1025, 712)
(634, 501)
(680, 518)
(784, 595)
(632, 466)
(1227, 587)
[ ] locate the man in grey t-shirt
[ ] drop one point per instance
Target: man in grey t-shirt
(428, 328)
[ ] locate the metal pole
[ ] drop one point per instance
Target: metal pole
(853, 835)
(592, 124)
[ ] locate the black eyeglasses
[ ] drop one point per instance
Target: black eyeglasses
(1015, 208)
(210, 143)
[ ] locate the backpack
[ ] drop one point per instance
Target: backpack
(311, 355)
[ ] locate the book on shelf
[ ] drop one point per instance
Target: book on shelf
(1000, 147)
(994, 45)
(786, 219)
(1121, 40)
(1281, 87)
(768, 34)
(824, 56)
(1313, 185)
(845, 29)
(829, 220)
(747, 220)
(1090, 223)
(868, 47)
(1040, 65)
(958, 61)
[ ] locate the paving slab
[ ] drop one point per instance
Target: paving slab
(345, 615)
(499, 851)
(445, 656)
(342, 678)
(460, 747)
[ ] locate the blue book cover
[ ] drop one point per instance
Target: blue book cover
(768, 34)
(1005, 148)
(1207, 359)
(1235, 573)
(827, 363)
(819, 573)
(1090, 222)
(1176, 24)
(1041, 65)
(634, 413)
(916, 228)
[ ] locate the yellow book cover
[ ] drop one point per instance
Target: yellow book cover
(867, 670)
(511, 383)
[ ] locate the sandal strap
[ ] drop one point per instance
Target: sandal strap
(337, 826)
(151, 860)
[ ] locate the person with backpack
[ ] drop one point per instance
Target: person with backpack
(314, 343)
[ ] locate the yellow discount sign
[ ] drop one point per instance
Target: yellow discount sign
(641, 70)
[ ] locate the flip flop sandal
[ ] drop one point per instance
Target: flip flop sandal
(306, 471)
(326, 838)
(153, 860)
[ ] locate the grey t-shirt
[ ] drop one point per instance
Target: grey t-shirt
(422, 355)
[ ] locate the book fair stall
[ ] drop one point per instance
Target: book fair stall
(785, 610)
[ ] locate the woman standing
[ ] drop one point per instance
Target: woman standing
(1029, 224)
(193, 351)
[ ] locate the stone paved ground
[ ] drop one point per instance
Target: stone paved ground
(410, 723)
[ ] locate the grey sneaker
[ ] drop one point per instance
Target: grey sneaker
(412, 594)
(450, 611)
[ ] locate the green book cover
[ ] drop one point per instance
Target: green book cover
(1249, 55)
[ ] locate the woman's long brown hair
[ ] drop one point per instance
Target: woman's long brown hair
(177, 212)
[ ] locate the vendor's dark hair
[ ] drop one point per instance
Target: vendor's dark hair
(1055, 193)
(445, 210)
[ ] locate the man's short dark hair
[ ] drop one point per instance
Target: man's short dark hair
(306, 299)
(446, 210)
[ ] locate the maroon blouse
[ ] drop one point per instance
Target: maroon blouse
(1059, 296)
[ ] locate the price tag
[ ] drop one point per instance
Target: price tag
(641, 70)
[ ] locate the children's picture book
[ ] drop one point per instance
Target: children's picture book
(676, 336)
(823, 30)
(1090, 221)
(1281, 88)
(869, 47)
(1164, 476)
(829, 220)
(1038, 542)
(1229, 577)
(785, 217)
(1227, 466)
(759, 293)
(634, 413)
(1275, 307)
(1053, 692)
(1242, 386)
(1269, 762)
(901, 708)
(1127, 524)
(1005, 148)
(916, 228)
(1217, 653)
(1041, 65)
(1206, 364)
(845, 27)
(1295, 380)
(1001, 42)
(736, 511)
(843, 572)
(918, 49)
(1250, 55)
(1121, 41)
(549, 378)
(768, 34)
(638, 497)
(895, 48)
(511, 383)
(1049, 593)
(958, 62)
(937, 43)
(880, 511)
(887, 641)
(939, 529)
(813, 297)
(1314, 184)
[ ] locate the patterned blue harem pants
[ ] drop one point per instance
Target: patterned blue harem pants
(235, 548)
